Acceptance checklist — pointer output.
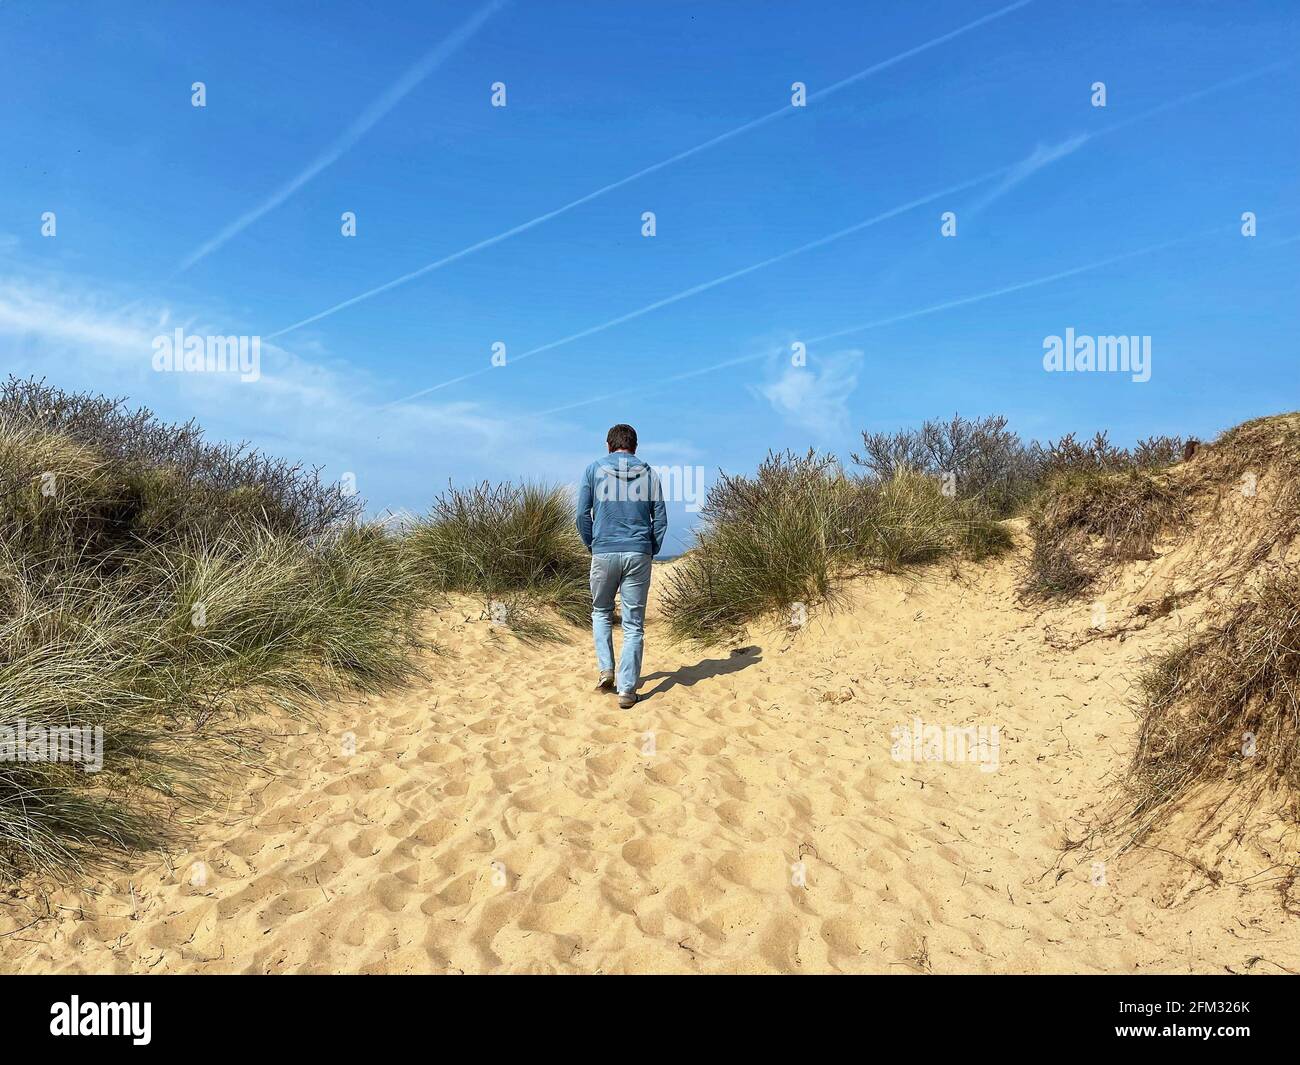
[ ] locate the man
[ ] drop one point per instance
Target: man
(622, 520)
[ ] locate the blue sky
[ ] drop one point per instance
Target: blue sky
(225, 219)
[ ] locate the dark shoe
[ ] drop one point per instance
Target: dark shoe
(606, 683)
(626, 700)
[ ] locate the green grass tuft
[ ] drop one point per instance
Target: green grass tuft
(162, 590)
(515, 547)
(789, 534)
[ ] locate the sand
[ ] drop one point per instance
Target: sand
(747, 816)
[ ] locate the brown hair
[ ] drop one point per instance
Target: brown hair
(621, 438)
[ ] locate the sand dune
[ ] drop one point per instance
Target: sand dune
(500, 816)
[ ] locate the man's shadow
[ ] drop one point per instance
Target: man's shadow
(688, 676)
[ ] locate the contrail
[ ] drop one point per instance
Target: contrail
(1019, 286)
(360, 126)
(1041, 157)
(1013, 174)
(1227, 83)
(704, 286)
(880, 323)
(703, 146)
(1045, 156)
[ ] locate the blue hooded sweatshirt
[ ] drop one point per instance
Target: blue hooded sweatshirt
(621, 506)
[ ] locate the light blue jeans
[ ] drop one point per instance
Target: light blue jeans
(628, 573)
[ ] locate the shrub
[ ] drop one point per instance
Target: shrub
(990, 466)
(168, 479)
(987, 462)
(1098, 455)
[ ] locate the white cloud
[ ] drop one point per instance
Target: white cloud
(816, 396)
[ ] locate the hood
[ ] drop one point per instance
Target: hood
(623, 467)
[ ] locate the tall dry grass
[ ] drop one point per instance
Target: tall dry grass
(1227, 698)
(1225, 703)
(1082, 521)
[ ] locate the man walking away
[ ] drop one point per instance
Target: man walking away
(622, 520)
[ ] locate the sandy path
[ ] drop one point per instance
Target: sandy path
(501, 816)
